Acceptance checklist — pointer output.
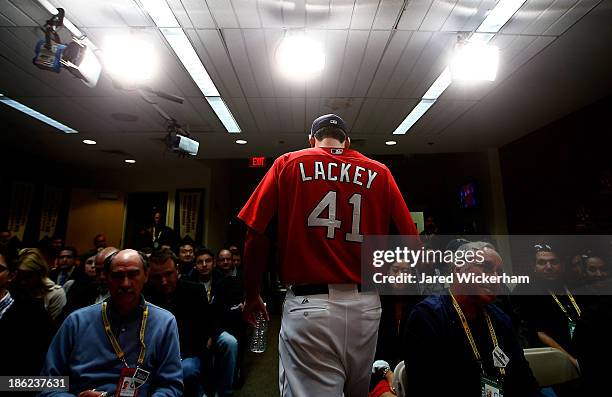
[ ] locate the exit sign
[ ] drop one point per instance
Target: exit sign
(257, 162)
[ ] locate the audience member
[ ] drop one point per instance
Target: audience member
(224, 343)
(88, 291)
(225, 263)
(99, 242)
(187, 302)
(32, 282)
(450, 340)
(25, 326)
(381, 380)
(548, 307)
(121, 343)
(185, 258)
(65, 266)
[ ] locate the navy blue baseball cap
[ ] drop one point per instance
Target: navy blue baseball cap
(328, 120)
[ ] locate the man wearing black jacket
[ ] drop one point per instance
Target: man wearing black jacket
(187, 302)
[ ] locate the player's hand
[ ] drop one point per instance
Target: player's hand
(252, 307)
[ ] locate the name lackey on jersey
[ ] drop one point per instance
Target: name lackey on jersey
(343, 172)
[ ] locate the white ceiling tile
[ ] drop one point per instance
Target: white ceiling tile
(317, 14)
(340, 14)
(550, 16)
(15, 15)
(298, 115)
(223, 13)
(388, 12)
(437, 15)
(78, 117)
(295, 16)
(181, 14)
(192, 13)
(32, 9)
(394, 111)
(473, 22)
(440, 115)
(257, 107)
(284, 115)
(217, 62)
(525, 16)
(365, 116)
(313, 110)
(243, 115)
(282, 86)
(108, 13)
(413, 15)
(335, 47)
(271, 12)
(389, 61)
(355, 50)
(240, 60)
(363, 14)
(430, 64)
(347, 108)
(247, 13)
(258, 56)
(4, 22)
(463, 11)
(209, 117)
(374, 51)
(571, 17)
(406, 64)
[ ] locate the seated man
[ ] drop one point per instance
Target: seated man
(187, 301)
(122, 342)
(224, 344)
(550, 310)
(462, 345)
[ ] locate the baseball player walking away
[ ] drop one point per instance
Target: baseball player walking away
(321, 201)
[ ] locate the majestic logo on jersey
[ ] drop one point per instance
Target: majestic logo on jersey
(343, 172)
(337, 151)
(333, 121)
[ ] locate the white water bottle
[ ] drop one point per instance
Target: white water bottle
(259, 337)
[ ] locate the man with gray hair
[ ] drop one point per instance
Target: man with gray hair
(124, 346)
(465, 338)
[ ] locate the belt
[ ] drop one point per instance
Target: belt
(313, 289)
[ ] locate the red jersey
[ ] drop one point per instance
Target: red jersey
(325, 200)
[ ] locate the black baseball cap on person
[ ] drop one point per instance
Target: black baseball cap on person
(328, 120)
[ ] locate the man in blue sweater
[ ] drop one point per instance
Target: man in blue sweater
(123, 342)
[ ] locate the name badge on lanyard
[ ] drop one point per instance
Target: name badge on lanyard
(490, 387)
(130, 378)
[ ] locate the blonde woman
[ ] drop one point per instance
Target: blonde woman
(32, 271)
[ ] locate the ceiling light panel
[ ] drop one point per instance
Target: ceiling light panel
(414, 116)
(37, 115)
(170, 28)
(494, 21)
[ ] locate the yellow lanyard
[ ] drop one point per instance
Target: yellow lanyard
(111, 337)
(571, 298)
(468, 332)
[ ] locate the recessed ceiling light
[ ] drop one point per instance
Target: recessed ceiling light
(89, 142)
(300, 57)
(130, 161)
(241, 141)
(391, 143)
